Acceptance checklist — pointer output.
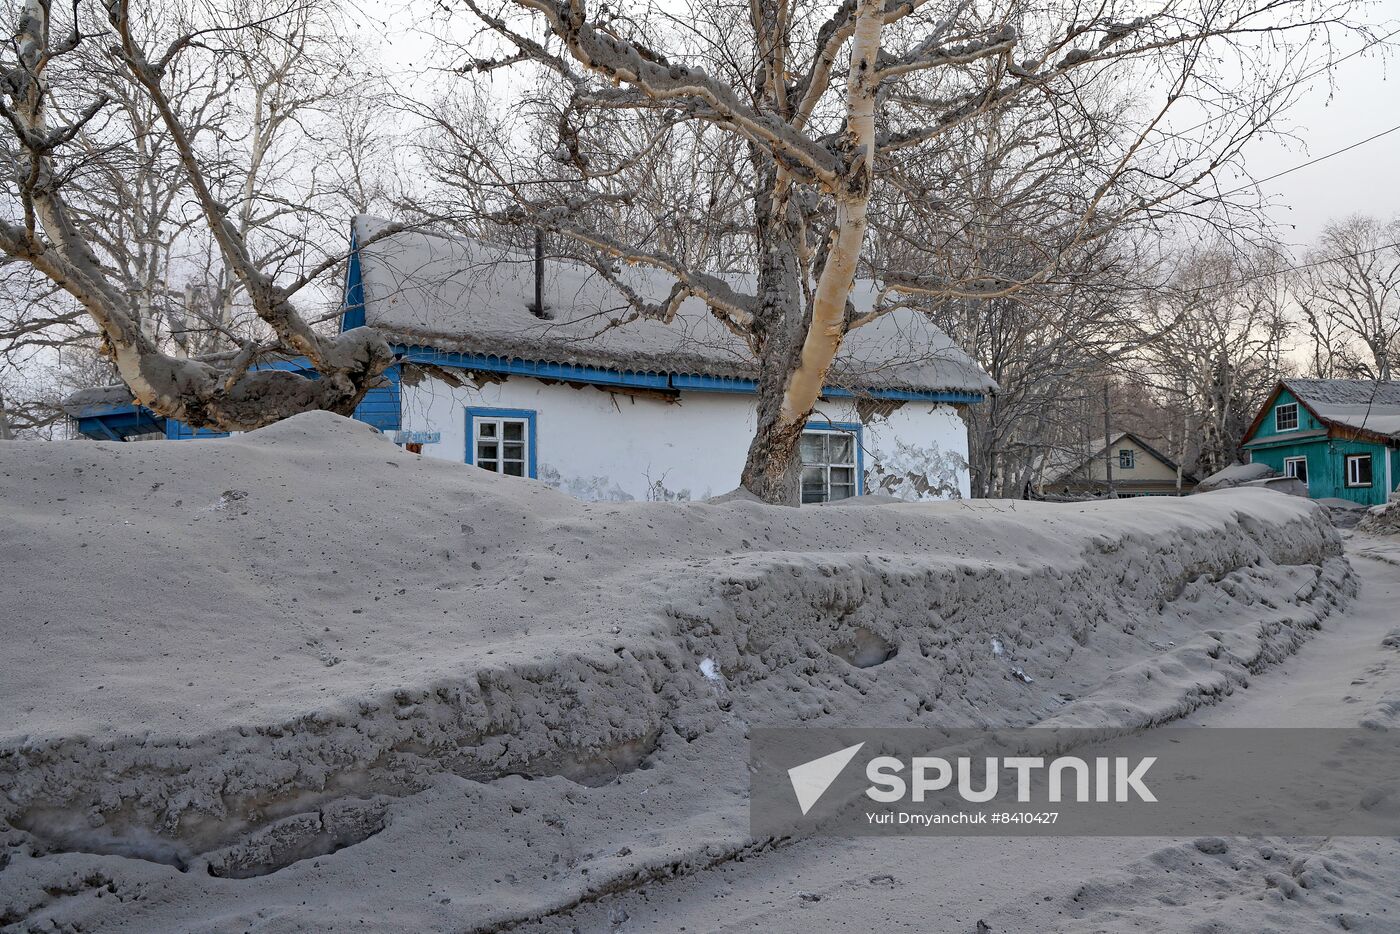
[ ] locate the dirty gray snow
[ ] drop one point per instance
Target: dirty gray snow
(302, 680)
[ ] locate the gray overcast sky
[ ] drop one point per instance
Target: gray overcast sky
(1362, 100)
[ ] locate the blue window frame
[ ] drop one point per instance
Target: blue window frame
(502, 440)
(833, 461)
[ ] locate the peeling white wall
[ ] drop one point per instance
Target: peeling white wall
(602, 445)
(917, 440)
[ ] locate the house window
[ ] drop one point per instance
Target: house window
(1127, 459)
(1286, 417)
(1296, 467)
(502, 441)
(1358, 470)
(830, 463)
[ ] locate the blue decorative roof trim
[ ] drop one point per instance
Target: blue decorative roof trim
(713, 383)
(648, 380)
(562, 371)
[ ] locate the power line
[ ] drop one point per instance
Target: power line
(1300, 266)
(1304, 165)
(1292, 84)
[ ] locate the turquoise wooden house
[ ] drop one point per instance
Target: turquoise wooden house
(1341, 437)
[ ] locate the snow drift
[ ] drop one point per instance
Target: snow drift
(259, 674)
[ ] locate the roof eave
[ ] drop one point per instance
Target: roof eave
(742, 379)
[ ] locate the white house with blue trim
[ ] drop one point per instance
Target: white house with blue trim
(640, 409)
(613, 409)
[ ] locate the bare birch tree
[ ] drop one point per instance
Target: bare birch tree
(1349, 294)
(1013, 185)
(115, 149)
(829, 106)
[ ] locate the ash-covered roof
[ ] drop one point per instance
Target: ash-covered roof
(1368, 405)
(455, 294)
(84, 400)
(1061, 464)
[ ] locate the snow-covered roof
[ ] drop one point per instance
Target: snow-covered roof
(1235, 475)
(86, 400)
(1345, 391)
(1368, 405)
(455, 294)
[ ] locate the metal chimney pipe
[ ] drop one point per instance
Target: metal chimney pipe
(539, 273)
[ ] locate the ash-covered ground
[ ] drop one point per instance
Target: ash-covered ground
(302, 680)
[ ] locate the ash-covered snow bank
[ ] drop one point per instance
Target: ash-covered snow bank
(1381, 520)
(258, 674)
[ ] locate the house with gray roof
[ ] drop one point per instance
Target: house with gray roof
(580, 397)
(1340, 437)
(1130, 467)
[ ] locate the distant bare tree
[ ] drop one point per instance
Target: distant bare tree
(143, 144)
(806, 124)
(1351, 296)
(1013, 195)
(1224, 326)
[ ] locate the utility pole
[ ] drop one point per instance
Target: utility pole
(1108, 445)
(1185, 433)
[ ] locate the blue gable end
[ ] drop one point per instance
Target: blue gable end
(353, 315)
(1267, 430)
(380, 406)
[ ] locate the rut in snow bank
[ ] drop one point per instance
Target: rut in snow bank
(283, 641)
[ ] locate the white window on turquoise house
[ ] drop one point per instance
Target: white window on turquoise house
(1358, 470)
(1127, 459)
(830, 458)
(1286, 417)
(502, 441)
(1296, 467)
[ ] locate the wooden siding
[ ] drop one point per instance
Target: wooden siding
(1306, 420)
(1325, 448)
(1326, 459)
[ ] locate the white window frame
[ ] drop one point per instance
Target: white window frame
(1297, 420)
(853, 465)
(1127, 459)
(1290, 468)
(496, 436)
(1356, 459)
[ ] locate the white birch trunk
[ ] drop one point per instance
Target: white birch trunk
(772, 469)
